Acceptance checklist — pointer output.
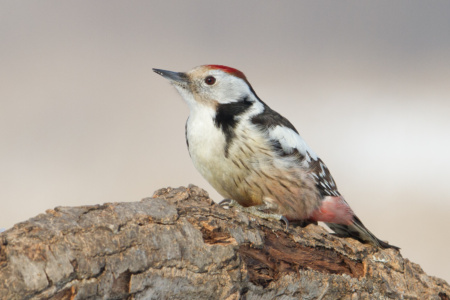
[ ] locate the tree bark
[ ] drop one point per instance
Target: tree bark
(180, 245)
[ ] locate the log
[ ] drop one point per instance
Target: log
(179, 244)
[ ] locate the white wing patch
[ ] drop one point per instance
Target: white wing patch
(289, 139)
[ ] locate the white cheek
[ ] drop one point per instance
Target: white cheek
(230, 89)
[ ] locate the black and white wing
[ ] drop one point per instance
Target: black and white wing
(287, 140)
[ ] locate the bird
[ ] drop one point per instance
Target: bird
(255, 158)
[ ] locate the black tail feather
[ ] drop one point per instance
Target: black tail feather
(358, 231)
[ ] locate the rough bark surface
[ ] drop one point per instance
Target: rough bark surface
(180, 245)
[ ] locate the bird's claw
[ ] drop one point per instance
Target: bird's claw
(286, 222)
(227, 202)
(254, 211)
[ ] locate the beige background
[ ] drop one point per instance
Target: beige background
(84, 120)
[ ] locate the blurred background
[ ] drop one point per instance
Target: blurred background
(84, 120)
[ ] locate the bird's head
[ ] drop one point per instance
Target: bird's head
(211, 85)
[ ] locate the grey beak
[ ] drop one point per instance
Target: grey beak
(172, 76)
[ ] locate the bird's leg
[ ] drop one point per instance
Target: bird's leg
(257, 210)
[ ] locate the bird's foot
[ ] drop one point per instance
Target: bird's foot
(256, 210)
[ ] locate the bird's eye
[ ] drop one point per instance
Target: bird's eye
(210, 80)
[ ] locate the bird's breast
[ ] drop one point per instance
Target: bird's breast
(217, 158)
(206, 144)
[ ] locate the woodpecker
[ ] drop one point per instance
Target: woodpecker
(254, 157)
